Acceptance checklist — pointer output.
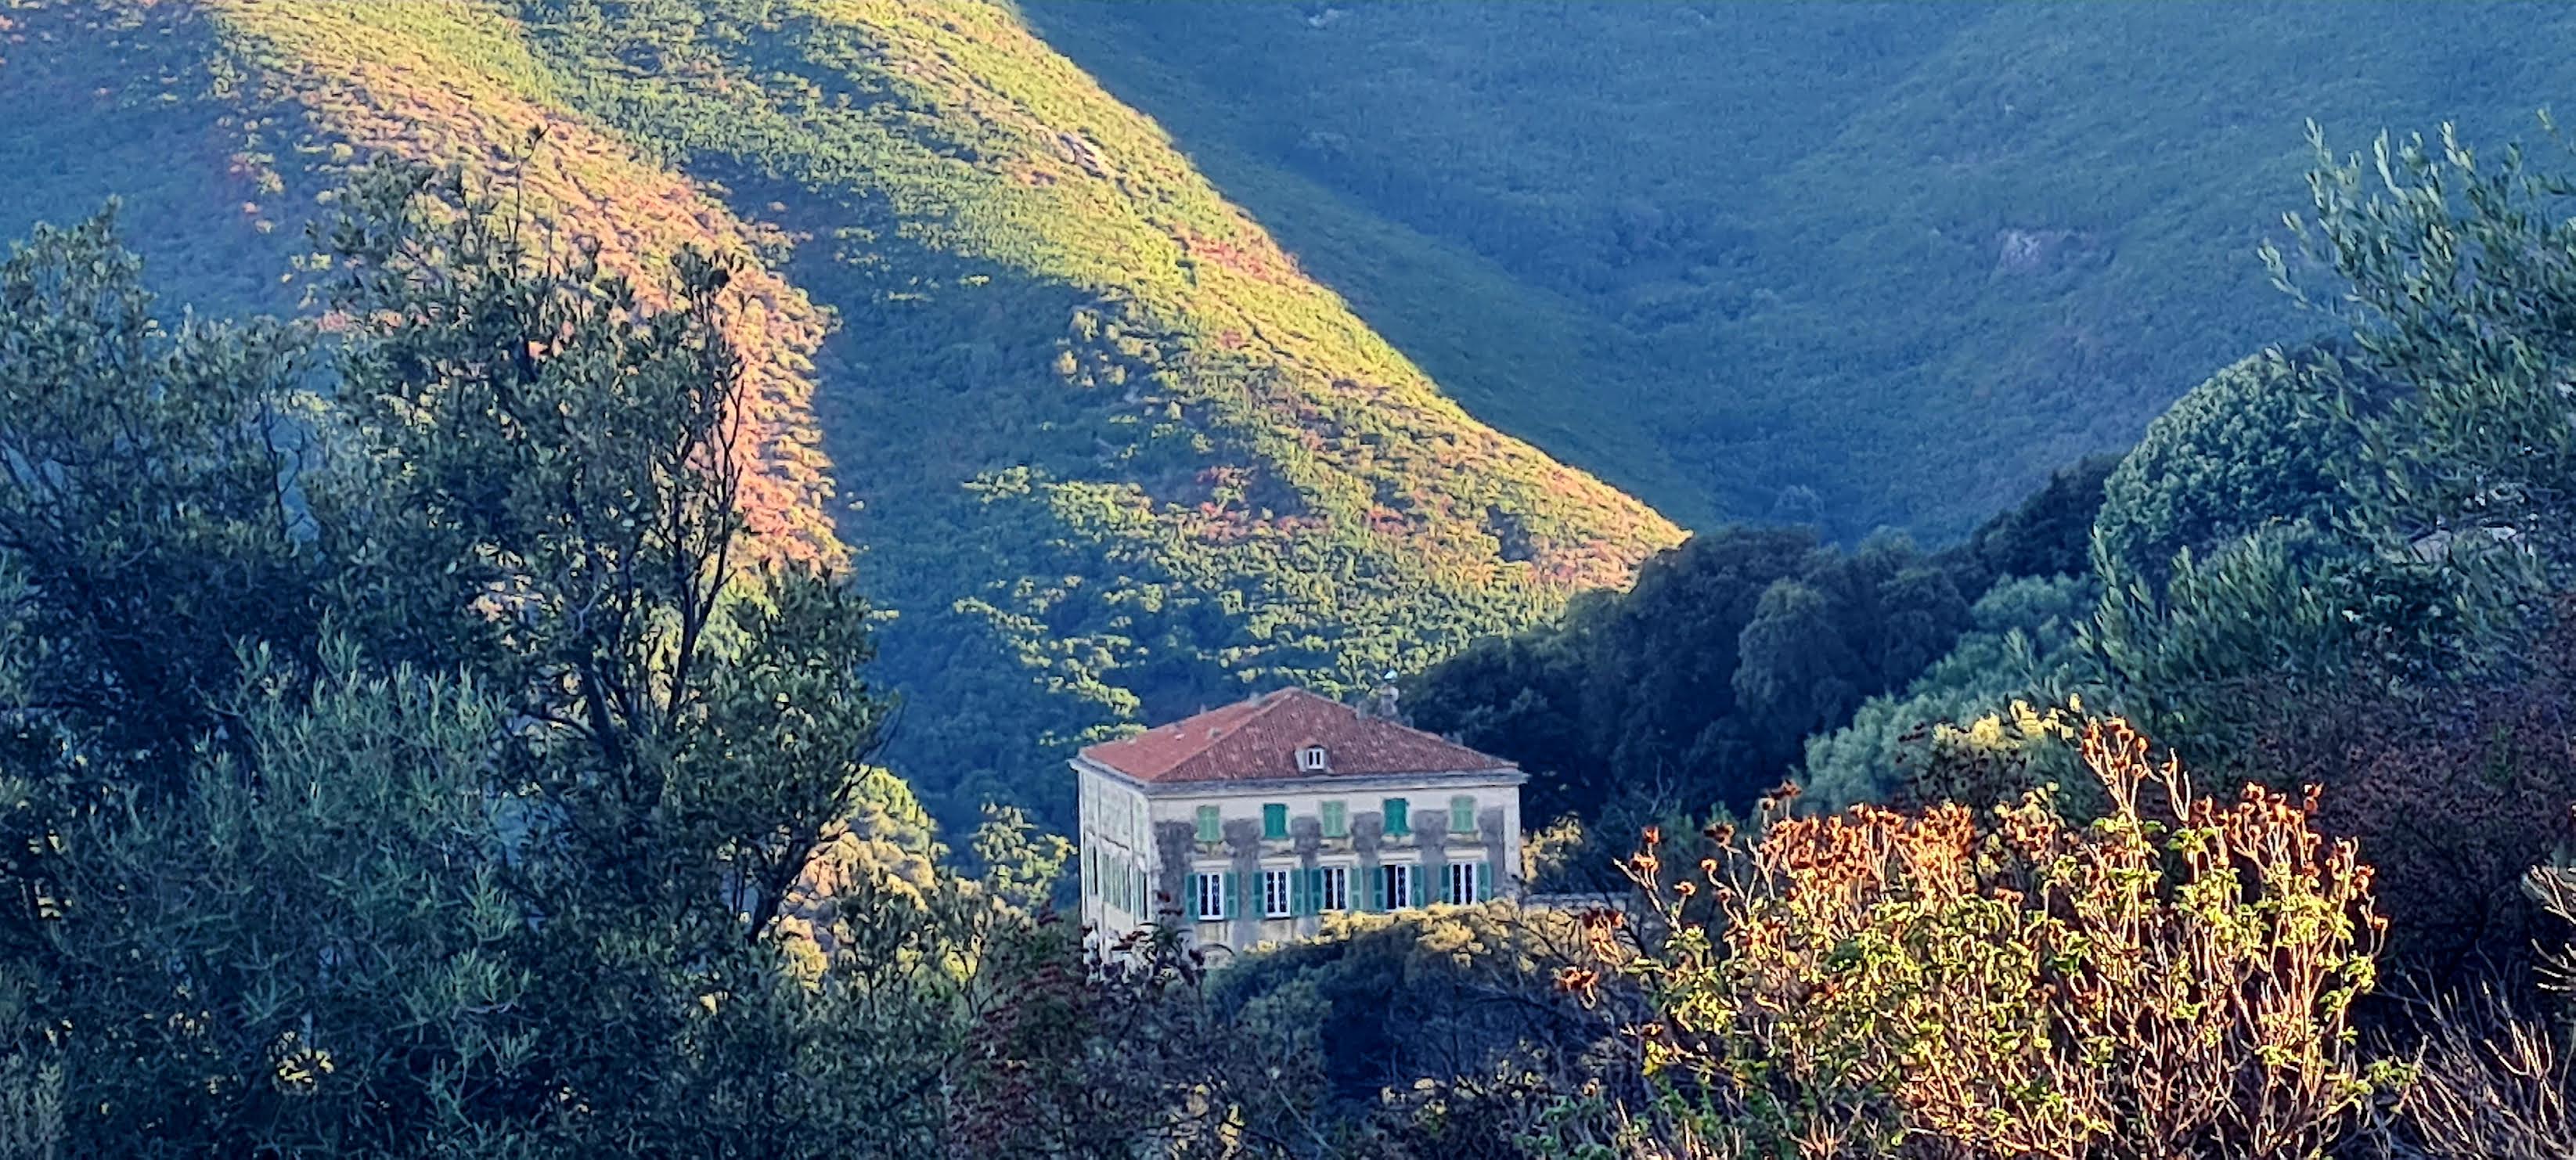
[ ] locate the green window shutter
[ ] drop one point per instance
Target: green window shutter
(1314, 878)
(1377, 888)
(1484, 881)
(1462, 815)
(1274, 821)
(1301, 895)
(1233, 894)
(1211, 827)
(1419, 886)
(1337, 820)
(1397, 823)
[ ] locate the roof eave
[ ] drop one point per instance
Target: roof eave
(1496, 775)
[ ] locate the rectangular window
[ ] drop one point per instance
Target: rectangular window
(1275, 902)
(1336, 819)
(1399, 886)
(1462, 883)
(1211, 827)
(1091, 872)
(1398, 822)
(1211, 897)
(1462, 814)
(1334, 891)
(1274, 821)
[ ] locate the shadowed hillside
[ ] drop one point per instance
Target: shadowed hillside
(1814, 233)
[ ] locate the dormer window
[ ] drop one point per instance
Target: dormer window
(1311, 759)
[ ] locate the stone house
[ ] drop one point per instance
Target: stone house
(1246, 824)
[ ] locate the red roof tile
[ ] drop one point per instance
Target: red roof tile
(1258, 740)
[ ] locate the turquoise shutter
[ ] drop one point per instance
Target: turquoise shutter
(1377, 888)
(1315, 889)
(1233, 894)
(1484, 881)
(1418, 884)
(1296, 892)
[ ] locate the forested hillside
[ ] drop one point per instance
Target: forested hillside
(1105, 451)
(1149, 353)
(1780, 245)
(500, 514)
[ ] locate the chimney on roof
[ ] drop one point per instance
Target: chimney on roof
(1381, 701)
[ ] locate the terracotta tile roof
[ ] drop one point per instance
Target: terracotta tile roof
(1258, 740)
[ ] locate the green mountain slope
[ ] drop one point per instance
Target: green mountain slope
(1865, 264)
(1106, 450)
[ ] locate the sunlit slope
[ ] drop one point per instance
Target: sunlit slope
(1096, 419)
(453, 83)
(1104, 449)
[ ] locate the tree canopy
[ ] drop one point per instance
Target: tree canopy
(435, 763)
(1702, 684)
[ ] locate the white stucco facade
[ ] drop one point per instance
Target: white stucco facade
(1275, 855)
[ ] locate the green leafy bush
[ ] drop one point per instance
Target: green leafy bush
(2267, 440)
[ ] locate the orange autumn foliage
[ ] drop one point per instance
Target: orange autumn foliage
(2173, 979)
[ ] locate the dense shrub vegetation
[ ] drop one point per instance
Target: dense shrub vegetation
(1112, 455)
(438, 765)
(2175, 979)
(446, 700)
(1883, 265)
(2334, 574)
(1700, 685)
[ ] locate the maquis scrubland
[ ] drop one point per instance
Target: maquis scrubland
(587, 578)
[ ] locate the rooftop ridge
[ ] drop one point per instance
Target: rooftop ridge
(1258, 738)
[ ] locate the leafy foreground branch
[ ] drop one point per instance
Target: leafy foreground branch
(426, 766)
(2174, 978)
